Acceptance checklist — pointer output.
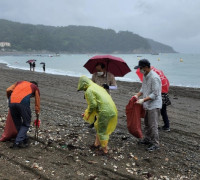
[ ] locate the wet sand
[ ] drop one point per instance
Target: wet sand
(64, 153)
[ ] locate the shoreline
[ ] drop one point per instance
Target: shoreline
(172, 87)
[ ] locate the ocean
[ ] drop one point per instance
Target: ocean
(180, 69)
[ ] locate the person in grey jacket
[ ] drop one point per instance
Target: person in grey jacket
(152, 103)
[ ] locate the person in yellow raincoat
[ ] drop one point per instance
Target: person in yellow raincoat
(101, 105)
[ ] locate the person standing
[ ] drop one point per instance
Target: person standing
(43, 67)
(19, 95)
(152, 103)
(104, 78)
(33, 66)
(165, 102)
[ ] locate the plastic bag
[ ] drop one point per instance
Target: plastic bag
(134, 113)
(10, 130)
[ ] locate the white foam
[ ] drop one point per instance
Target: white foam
(74, 74)
(48, 70)
(16, 64)
(3, 62)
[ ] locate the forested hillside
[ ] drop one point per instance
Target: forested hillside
(75, 39)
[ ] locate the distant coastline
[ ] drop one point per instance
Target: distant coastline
(37, 53)
(19, 53)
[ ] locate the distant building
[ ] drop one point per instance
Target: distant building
(5, 44)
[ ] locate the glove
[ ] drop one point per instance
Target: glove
(8, 102)
(140, 101)
(37, 123)
(105, 86)
(135, 97)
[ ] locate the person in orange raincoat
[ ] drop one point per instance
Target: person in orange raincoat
(19, 95)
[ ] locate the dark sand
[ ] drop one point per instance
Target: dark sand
(64, 153)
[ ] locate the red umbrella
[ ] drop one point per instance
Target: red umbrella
(30, 61)
(163, 78)
(114, 65)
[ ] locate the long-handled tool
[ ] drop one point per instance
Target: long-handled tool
(36, 131)
(37, 125)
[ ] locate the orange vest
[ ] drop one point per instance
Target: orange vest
(22, 92)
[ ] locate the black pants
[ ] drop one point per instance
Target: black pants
(164, 115)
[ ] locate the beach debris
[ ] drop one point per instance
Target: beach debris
(131, 155)
(92, 176)
(110, 151)
(115, 166)
(40, 168)
(35, 165)
(36, 143)
(80, 173)
(129, 170)
(164, 177)
(124, 137)
(92, 162)
(64, 146)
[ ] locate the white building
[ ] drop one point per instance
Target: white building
(5, 44)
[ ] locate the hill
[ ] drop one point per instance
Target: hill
(159, 47)
(75, 39)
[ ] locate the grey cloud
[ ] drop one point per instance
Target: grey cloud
(172, 22)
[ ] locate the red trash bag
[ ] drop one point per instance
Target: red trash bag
(134, 113)
(10, 130)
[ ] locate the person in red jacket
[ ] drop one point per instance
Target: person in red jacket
(19, 95)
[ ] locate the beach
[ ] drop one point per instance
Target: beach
(64, 138)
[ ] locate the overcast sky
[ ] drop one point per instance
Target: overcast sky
(172, 22)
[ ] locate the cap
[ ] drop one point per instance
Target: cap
(142, 63)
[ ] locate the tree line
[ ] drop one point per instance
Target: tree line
(75, 39)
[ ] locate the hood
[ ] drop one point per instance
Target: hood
(84, 83)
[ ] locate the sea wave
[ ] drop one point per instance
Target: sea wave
(48, 70)
(16, 65)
